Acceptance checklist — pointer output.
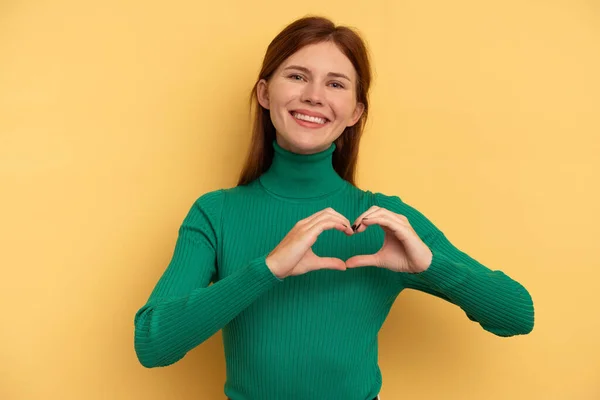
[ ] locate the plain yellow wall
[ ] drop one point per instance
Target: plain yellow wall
(115, 116)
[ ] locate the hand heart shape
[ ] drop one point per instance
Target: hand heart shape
(402, 249)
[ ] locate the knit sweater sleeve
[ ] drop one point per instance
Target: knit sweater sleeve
(498, 303)
(183, 310)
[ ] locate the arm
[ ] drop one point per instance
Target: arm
(183, 310)
(498, 303)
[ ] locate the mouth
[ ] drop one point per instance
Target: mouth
(309, 121)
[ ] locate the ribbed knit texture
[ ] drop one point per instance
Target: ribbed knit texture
(312, 336)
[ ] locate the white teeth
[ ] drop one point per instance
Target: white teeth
(309, 118)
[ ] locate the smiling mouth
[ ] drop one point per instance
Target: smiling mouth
(309, 119)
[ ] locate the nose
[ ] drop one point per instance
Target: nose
(312, 94)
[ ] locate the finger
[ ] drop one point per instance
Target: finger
(360, 226)
(311, 218)
(326, 223)
(362, 261)
(392, 224)
(333, 212)
(329, 211)
(329, 263)
(378, 213)
(332, 217)
(364, 214)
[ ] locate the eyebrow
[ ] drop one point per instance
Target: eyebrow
(304, 69)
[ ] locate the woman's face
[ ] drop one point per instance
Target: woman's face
(316, 81)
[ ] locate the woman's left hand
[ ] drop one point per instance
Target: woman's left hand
(402, 250)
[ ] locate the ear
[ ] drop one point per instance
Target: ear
(358, 111)
(262, 92)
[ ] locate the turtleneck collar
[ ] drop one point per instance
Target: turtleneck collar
(294, 175)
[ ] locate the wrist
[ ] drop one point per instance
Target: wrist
(427, 264)
(272, 266)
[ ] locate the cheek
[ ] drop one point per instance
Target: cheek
(277, 102)
(286, 92)
(343, 108)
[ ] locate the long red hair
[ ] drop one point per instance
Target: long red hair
(302, 32)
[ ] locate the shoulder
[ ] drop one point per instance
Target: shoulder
(213, 203)
(378, 198)
(207, 207)
(211, 200)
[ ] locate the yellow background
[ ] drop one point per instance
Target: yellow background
(115, 116)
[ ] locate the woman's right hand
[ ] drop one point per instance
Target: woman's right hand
(294, 255)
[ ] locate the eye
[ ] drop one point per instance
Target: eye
(294, 76)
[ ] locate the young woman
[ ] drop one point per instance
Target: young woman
(305, 266)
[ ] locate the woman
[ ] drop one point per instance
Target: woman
(305, 266)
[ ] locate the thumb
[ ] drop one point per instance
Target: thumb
(361, 261)
(330, 263)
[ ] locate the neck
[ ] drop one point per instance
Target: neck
(296, 175)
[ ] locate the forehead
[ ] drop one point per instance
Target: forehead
(321, 58)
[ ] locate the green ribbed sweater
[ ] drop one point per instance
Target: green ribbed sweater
(312, 336)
